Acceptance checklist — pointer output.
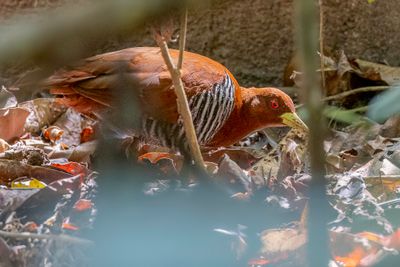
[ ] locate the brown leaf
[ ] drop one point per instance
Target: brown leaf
(11, 170)
(378, 72)
(242, 157)
(43, 112)
(39, 205)
(282, 244)
(12, 121)
(3, 145)
(233, 177)
(167, 162)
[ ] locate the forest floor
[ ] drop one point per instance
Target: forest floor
(48, 181)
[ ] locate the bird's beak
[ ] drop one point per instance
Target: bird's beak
(293, 120)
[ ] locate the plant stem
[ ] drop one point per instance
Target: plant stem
(182, 103)
(318, 252)
(321, 45)
(182, 38)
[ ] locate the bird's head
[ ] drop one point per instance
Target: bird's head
(271, 107)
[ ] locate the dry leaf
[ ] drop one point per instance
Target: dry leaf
(12, 121)
(53, 133)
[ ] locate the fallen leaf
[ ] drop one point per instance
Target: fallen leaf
(43, 112)
(378, 72)
(11, 170)
(167, 162)
(7, 99)
(69, 226)
(87, 134)
(12, 121)
(3, 145)
(27, 183)
(53, 133)
(82, 205)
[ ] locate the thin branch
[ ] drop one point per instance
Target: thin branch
(356, 91)
(182, 38)
(352, 92)
(62, 238)
(182, 103)
(321, 45)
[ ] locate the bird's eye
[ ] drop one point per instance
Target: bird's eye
(274, 104)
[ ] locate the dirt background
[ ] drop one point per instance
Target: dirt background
(254, 38)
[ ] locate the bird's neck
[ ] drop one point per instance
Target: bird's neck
(242, 121)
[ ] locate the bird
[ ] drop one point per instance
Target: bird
(223, 112)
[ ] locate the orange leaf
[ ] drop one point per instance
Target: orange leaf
(82, 205)
(87, 134)
(53, 133)
(353, 259)
(69, 226)
(258, 262)
(392, 241)
(30, 227)
(167, 162)
(73, 168)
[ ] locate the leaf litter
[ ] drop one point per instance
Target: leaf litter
(48, 187)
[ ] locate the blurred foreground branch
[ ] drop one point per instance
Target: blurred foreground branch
(307, 39)
(53, 37)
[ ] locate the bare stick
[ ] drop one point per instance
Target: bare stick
(182, 103)
(63, 238)
(352, 92)
(182, 38)
(356, 91)
(321, 45)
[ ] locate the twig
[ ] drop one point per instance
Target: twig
(321, 45)
(182, 38)
(182, 103)
(356, 91)
(387, 176)
(352, 92)
(62, 238)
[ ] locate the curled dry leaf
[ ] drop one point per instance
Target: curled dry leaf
(168, 163)
(7, 99)
(71, 123)
(53, 133)
(378, 72)
(233, 177)
(43, 112)
(3, 145)
(243, 157)
(87, 134)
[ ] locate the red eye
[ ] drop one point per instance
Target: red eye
(274, 104)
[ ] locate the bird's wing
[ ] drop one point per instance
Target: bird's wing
(94, 83)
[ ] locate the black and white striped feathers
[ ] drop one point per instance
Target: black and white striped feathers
(210, 110)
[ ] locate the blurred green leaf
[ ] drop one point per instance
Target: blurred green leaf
(343, 115)
(385, 105)
(338, 114)
(370, 1)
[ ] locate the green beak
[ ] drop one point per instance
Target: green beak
(293, 120)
